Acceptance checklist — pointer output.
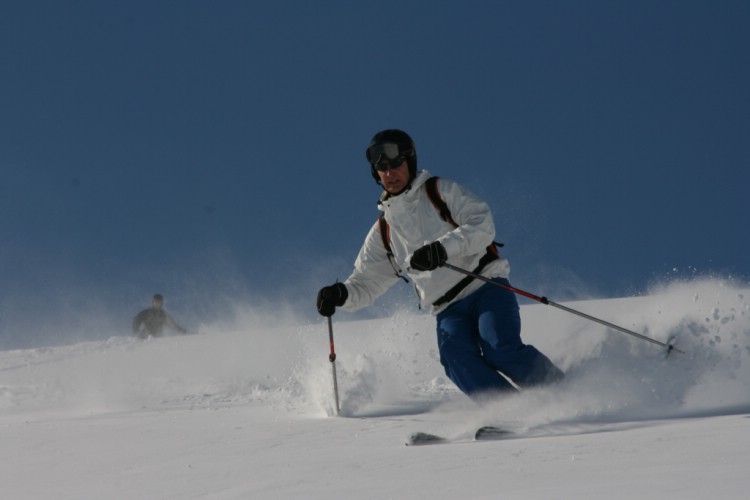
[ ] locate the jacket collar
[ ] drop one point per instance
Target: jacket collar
(410, 188)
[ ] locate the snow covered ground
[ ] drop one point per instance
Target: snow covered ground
(246, 410)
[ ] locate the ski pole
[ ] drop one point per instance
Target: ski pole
(546, 301)
(332, 359)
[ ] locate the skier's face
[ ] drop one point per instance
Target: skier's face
(395, 179)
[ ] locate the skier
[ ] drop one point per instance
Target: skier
(154, 319)
(478, 324)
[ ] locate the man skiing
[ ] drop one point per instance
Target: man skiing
(478, 324)
(154, 319)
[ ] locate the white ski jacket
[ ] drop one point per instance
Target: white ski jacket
(414, 222)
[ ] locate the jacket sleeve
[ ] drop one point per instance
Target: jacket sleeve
(171, 323)
(373, 273)
(476, 227)
(137, 322)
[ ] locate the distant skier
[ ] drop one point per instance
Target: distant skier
(154, 319)
(428, 222)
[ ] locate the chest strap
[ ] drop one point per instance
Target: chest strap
(456, 289)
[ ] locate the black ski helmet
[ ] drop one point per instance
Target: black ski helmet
(404, 147)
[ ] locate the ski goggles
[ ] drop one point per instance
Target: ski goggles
(387, 155)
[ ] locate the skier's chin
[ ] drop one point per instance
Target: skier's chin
(396, 188)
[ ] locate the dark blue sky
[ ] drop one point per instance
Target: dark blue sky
(216, 149)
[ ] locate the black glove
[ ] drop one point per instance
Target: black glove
(331, 296)
(429, 257)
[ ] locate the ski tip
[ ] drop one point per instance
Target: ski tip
(422, 438)
(491, 432)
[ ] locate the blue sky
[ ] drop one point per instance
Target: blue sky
(216, 149)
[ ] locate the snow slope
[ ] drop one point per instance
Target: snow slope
(246, 410)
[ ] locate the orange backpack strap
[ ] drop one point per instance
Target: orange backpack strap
(385, 235)
(438, 202)
(445, 213)
(442, 207)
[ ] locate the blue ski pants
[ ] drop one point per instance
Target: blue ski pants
(479, 339)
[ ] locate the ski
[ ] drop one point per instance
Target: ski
(422, 438)
(484, 433)
(491, 432)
